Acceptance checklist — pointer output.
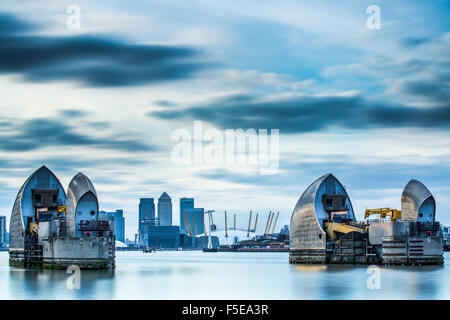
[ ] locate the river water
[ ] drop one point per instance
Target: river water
(225, 275)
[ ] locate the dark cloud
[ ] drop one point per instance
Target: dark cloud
(39, 133)
(6, 164)
(95, 61)
(165, 103)
(412, 42)
(306, 114)
(65, 164)
(437, 90)
(72, 113)
(378, 175)
(9, 25)
(101, 125)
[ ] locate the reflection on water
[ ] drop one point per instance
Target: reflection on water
(325, 268)
(46, 284)
(310, 268)
(224, 275)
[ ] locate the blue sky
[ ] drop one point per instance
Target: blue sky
(370, 106)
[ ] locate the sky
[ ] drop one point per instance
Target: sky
(101, 87)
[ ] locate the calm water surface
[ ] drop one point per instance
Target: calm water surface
(224, 275)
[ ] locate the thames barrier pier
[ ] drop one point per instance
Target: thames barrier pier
(51, 230)
(324, 230)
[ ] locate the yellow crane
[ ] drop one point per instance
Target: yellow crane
(61, 209)
(394, 214)
(195, 226)
(333, 228)
(34, 228)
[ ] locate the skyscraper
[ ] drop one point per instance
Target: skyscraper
(146, 216)
(119, 225)
(146, 210)
(191, 219)
(165, 210)
(185, 203)
(195, 220)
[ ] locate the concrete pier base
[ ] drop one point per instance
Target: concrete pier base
(307, 256)
(88, 253)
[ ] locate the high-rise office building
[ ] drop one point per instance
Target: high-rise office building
(195, 219)
(191, 219)
(146, 211)
(119, 225)
(185, 203)
(146, 217)
(146, 208)
(165, 210)
(3, 233)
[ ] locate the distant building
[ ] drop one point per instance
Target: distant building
(202, 242)
(3, 234)
(285, 230)
(165, 210)
(185, 203)
(119, 225)
(146, 225)
(146, 209)
(146, 214)
(284, 234)
(163, 237)
(116, 221)
(186, 241)
(191, 218)
(154, 222)
(195, 220)
(445, 229)
(191, 242)
(446, 233)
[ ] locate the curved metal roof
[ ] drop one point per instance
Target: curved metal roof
(309, 195)
(78, 187)
(16, 227)
(306, 231)
(413, 197)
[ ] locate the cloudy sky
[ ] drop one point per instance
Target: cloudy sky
(370, 106)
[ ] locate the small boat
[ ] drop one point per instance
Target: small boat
(210, 249)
